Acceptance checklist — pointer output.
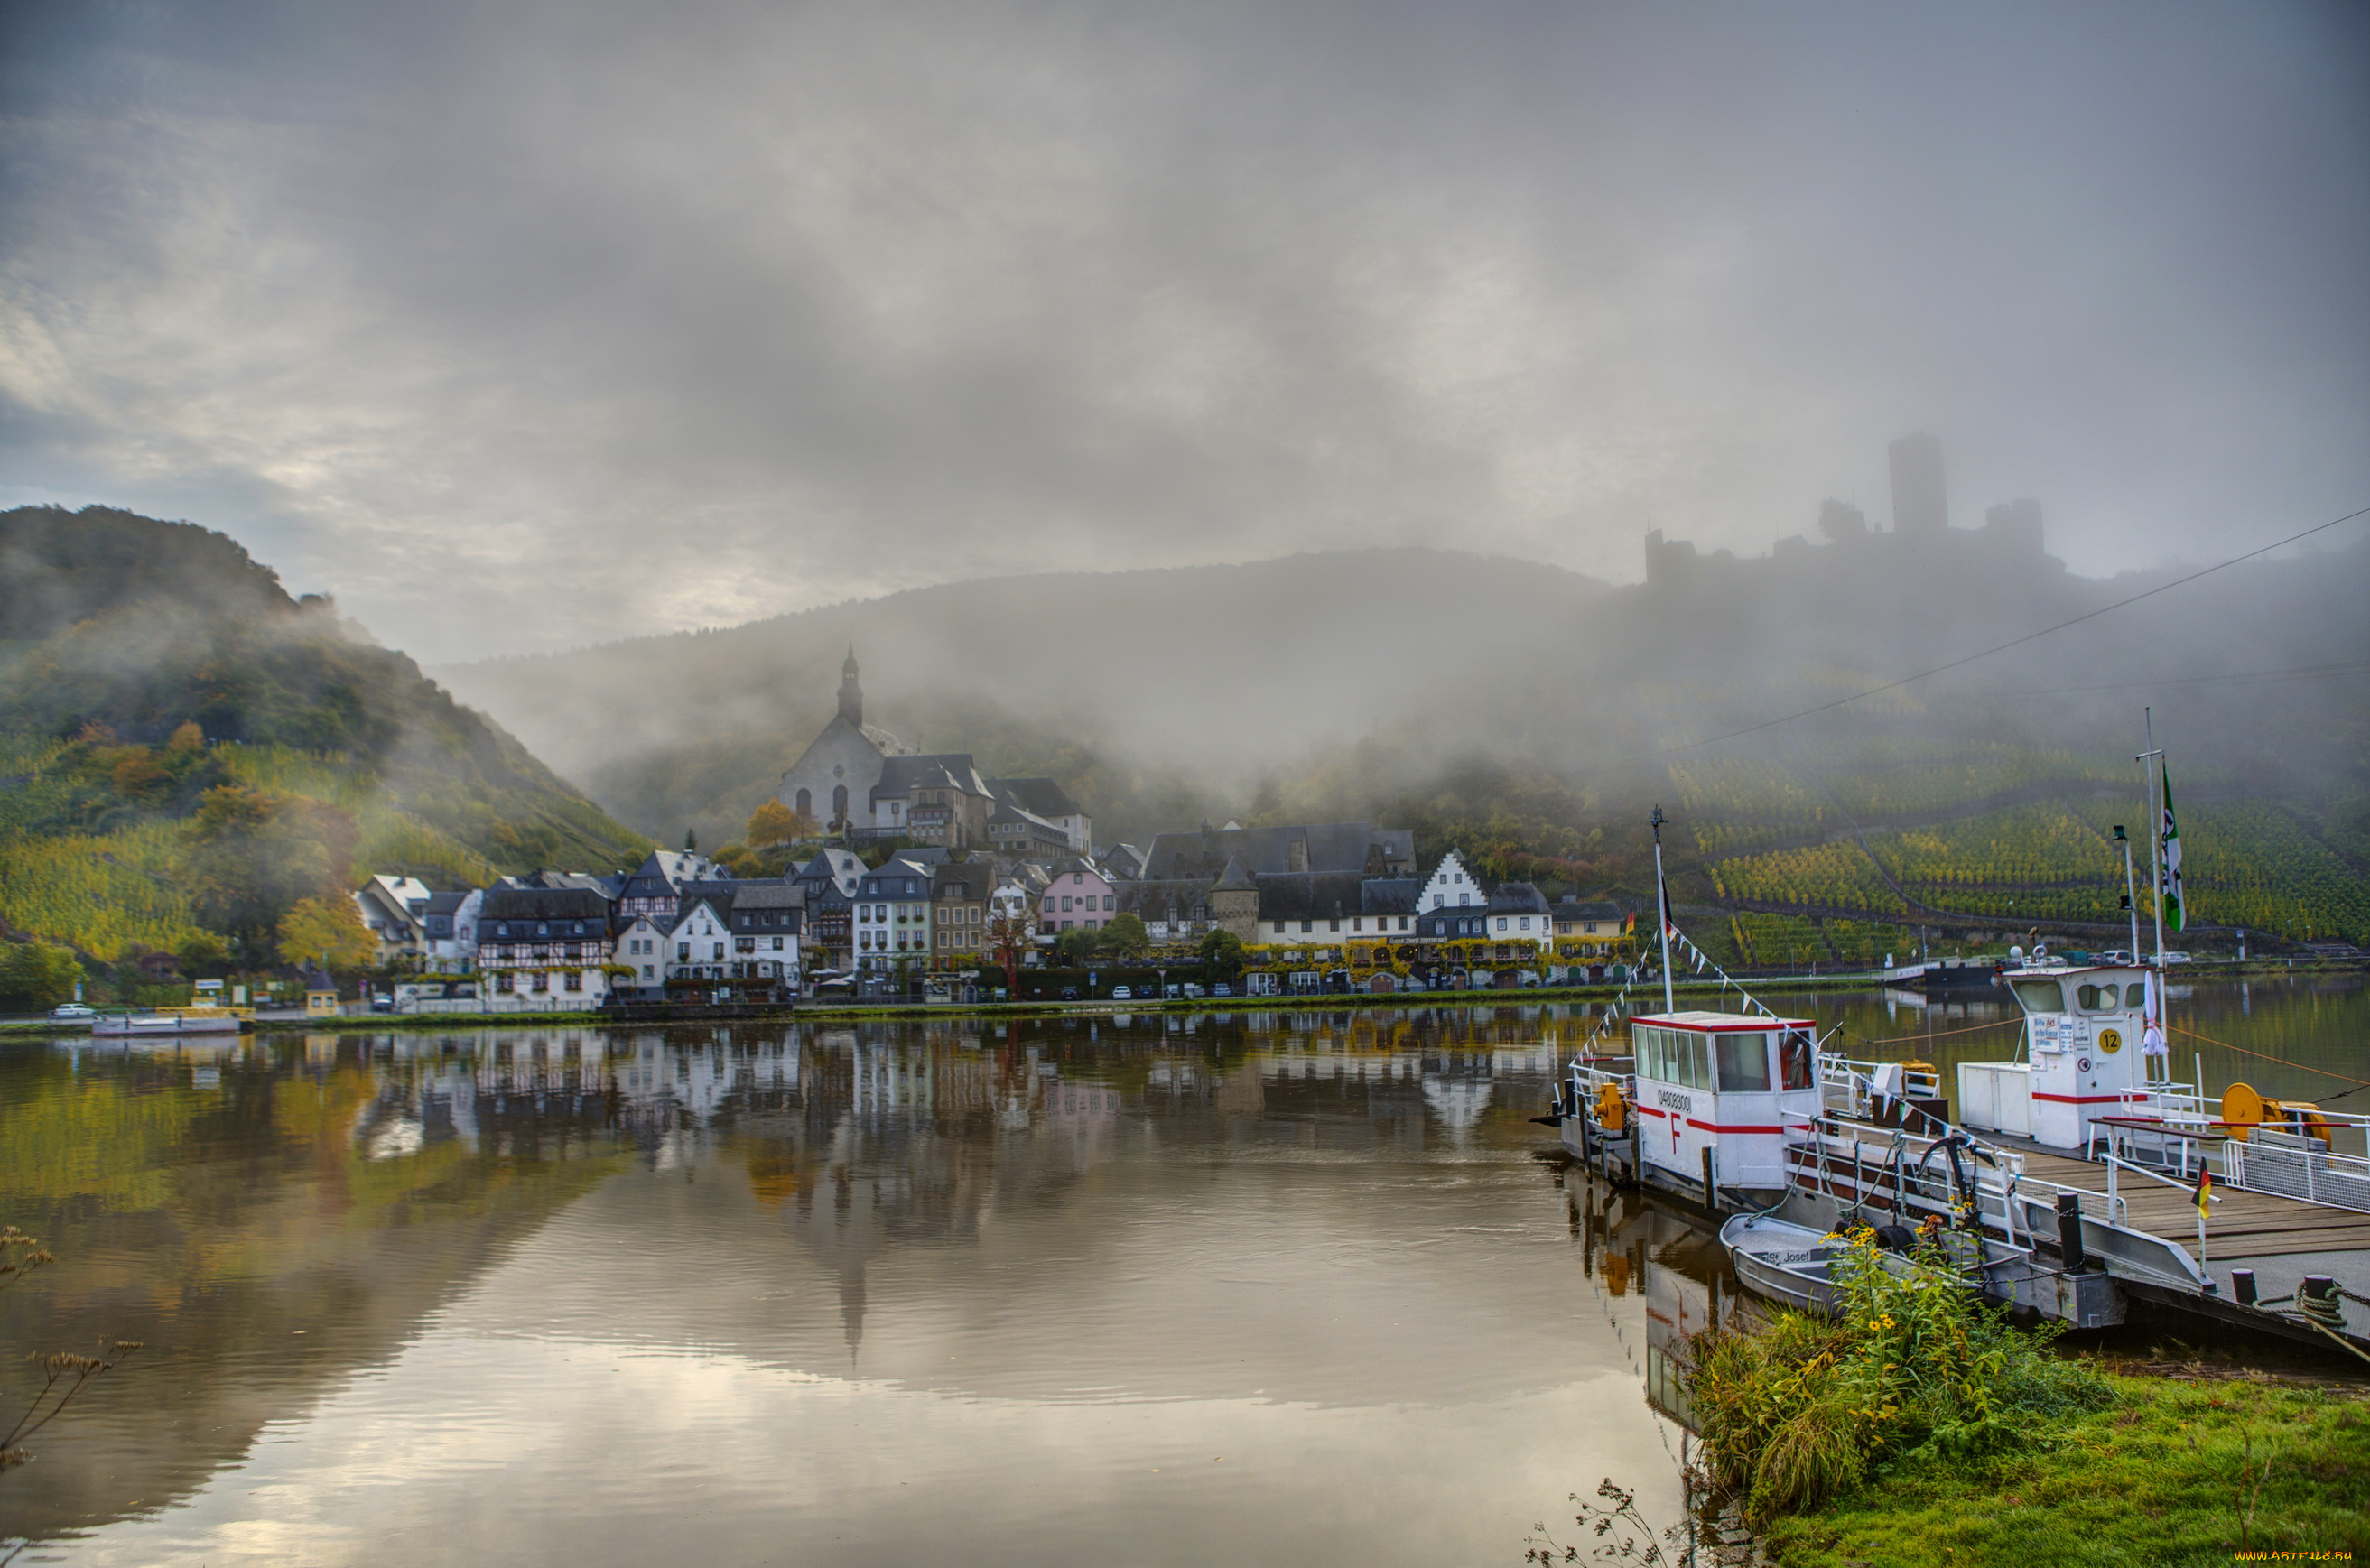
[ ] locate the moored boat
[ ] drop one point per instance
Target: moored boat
(153, 1021)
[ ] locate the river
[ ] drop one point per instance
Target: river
(1152, 1289)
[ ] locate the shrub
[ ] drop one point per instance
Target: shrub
(1796, 1411)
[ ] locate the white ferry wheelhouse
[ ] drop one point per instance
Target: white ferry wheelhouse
(1732, 1086)
(2084, 1057)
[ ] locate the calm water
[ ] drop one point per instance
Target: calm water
(1254, 1288)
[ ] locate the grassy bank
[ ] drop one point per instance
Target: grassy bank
(2166, 1473)
(1920, 1428)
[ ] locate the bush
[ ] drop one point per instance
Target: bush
(1797, 1413)
(35, 977)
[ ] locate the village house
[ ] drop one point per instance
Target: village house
(449, 928)
(543, 949)
(696, 965)
(1451, 884)
(1048, 801)
(893, 914)
(959, 905)
(640, 948)
(1592, 931)
(391, 907)
(767, 919)
(1079, 895)
(656, 887)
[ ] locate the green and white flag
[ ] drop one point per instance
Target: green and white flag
(2167, 891)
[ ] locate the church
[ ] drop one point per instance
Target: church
(855, 781)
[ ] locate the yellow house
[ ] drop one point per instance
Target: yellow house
(1591, 931)
(320, 997)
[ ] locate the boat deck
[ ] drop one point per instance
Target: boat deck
(2243, 1224)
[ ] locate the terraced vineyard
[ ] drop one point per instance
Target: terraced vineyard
(2039, 862)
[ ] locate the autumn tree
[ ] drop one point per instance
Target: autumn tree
(1008, 937)
(1222, 953)
(1124, 937)
(254, 854)
(774, 824)
(327, 931)
(35, 977)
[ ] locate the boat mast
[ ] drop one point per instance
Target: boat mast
(2155, 761)
(1662, 909)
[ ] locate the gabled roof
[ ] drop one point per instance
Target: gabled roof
(1039, 796)
(1309, 895)
(717, 904)
(946, 770)
(1124, 860)
(768, 895)
(544, 904)
(1326, 846)
(1518, 898)
(1388, 895)
(447, 903)
(964, 880)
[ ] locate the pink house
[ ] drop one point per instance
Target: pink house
(1078, 895)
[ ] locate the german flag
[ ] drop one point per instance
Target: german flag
(2204, 1190)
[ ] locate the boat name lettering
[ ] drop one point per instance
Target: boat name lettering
(1672, 1102)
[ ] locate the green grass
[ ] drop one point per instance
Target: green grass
(2172, 1473)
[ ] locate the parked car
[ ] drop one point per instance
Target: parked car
(2176, 958)
(1122, 993)
(1069, 994)
(1222, 989)
(74, 1009)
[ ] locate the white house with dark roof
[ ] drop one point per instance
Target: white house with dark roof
(1452, 885)
(893, 914)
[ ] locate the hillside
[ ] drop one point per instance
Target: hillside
(1534, 716)
(186, 749)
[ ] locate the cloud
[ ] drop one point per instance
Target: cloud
(517, 327)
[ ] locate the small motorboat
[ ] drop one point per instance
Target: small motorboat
(1788, 1264)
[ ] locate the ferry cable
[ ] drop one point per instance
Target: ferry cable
(2013, 641)
(2296, 672)
(2283, 1062)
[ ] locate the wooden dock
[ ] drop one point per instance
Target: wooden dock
(2242, 1224)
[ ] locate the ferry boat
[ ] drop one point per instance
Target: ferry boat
(174, 1021)
(2070, 1182)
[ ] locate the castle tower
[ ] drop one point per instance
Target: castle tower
(851, 696)
(1921, 502)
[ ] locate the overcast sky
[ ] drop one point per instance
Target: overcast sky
(520, 326)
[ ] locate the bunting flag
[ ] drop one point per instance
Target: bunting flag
(2167, 891)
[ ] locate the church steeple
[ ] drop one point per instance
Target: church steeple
(851, 696)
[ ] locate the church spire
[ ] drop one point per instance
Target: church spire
(851, 696)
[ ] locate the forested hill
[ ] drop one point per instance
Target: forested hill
(185, 747)
(1535, 715)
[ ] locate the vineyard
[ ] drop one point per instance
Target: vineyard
(103, 896)
(2245, 863)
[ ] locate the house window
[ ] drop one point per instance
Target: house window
(1110, 900)
(1332, 925)
(1307, 925)
(720, 950)
(1403, 920)
(682, 952)
(778, 945)
(646, 972)
(1279, 928)
(575, 980)
(1502, 922)
(1526, 922)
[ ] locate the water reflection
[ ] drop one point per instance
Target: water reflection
(1256, 1285)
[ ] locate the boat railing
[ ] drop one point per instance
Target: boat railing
(1847, 1085)
(2250, 1157)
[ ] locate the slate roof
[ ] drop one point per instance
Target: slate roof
(1600, 910)
(1309, 895)
(1150, 901)
(1039, 796)
(1330, 847)
(530, 906)
(969, 879)
(720, 903)
(1124, 861)
(947, 769)
(1234, 878)
(768, 895)
(1388, 895)
(446, 903)
(1517, 899)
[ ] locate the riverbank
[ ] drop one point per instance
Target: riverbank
(2171, 1473)
(1646, 993)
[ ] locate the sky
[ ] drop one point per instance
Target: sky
(517, 327)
